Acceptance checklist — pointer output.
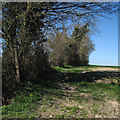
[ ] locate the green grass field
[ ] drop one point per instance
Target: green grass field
(68, 93)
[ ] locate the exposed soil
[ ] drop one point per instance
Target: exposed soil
(106, 109)
(105, 69)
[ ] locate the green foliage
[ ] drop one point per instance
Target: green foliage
(79, 47)
(26, 99)
(70, 69)
(68, 66)
(23, 102)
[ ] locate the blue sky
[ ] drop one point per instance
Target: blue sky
(106, 42)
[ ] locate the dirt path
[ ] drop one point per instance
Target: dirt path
(67, 105)
(109, 107)
(105, 69)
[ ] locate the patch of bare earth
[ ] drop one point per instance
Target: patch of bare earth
(67, 100)
(105, 69)
(109, 109)
(103, 109)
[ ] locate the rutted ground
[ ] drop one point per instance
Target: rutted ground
(73, 93)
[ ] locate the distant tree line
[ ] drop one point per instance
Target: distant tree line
(24, 28)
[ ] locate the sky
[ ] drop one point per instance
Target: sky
(106, 42)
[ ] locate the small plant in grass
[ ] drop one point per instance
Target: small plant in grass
(44, 109)
(62, 109)
(51, 104)
(68, 108)
(74, 110)
(60, 116)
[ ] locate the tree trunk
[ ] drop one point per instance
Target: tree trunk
(13, 36)
(16, 64)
